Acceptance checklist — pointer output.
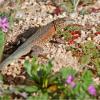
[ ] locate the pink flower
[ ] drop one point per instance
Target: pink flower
(92, 90)
(69, 79)
(73, 84)
(4, 25)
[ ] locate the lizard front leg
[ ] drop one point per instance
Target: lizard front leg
(36, 50)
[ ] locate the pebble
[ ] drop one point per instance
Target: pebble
(89, 39)
(74, 15)
(96, 80)
(93, 29)
(12, 63)
(27, 58)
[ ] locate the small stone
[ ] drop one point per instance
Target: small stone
(89, 38)
(94, 29)
(12, 63)
(74, 15)
(27, 58)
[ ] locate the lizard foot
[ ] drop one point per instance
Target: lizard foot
(36, 50)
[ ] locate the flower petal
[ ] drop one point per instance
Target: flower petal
(69, 79)
(92, 90)
(4, 29)
(73, 84)
(4, 20)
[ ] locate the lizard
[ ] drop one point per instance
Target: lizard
(41, 36)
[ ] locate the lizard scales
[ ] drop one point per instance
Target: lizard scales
(39, 38)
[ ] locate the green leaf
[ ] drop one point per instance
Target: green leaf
(31, 89)
(69, 6)
(74, 2)
(34, 60)
(5, 97)
(56, 78)
(49, 67)
(76, 90)
(35, 65)
(28, 67)
(1, 78)
(86, 78)
(31, 98)
(40, 97)
(67, 71)
(87, 74)
(85, 59)
(43, 97)
(72, 28)
(2, 43)
(88, 47)
(97, 64)
(11, 20)
(25, 88)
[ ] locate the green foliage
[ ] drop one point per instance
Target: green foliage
(49, 85)
(78, 92)
(66, 31)
(85, 59)
(83, 12)
(2, 43)
(90, 49)
(3, 14)
(41, 74)
(86, 78)
(5, 97)
(91, 55)
(72, 5)
(39, 97)
(75, 4)
(72, 28)
(2, 34)
(97, 64)
(69, 6)
(29, 89)
(65, 72)
(1, 78)
(28, 67)
(82, 84)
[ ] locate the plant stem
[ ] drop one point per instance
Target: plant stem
(75, 8)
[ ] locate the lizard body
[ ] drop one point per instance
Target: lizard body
(39, 38)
